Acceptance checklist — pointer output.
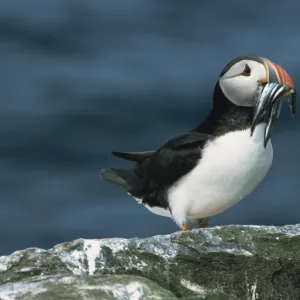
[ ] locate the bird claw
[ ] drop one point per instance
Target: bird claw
(185, 227)
(202, 223)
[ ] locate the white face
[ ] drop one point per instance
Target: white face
(239, 83)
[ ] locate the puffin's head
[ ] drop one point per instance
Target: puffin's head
(240, 78)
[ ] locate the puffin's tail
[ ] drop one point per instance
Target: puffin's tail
(127, 179)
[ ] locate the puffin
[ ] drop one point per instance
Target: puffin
(210, 168)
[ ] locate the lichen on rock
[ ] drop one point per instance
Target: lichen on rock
(230, 262)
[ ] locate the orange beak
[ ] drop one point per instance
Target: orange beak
(277, 74)
(282, 75)
(276, 86)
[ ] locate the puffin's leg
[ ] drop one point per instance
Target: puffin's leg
(179, 217)
(202, 223)
(185, 227)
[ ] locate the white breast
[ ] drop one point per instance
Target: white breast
(230, 168)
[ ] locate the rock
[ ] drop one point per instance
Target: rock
(230, 262)
(123, 287)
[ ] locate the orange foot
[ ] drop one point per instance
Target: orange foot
(185, 227)
(202, 223)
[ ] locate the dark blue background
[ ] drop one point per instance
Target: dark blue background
(81, 78)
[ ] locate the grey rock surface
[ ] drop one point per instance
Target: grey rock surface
(230, 262)
(107, 287)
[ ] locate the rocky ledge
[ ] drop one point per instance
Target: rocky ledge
(230, 262)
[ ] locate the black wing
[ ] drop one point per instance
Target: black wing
(170, 162)
(134, 156)
(156, 171)
(174, 159)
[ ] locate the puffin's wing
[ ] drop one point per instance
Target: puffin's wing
(174, 159)
(134, 156)
(188, 140)
(155, 171)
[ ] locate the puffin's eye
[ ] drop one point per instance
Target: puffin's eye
(246, 71)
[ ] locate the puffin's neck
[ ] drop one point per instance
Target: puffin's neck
(225, 116)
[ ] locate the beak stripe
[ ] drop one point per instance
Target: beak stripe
(267, 70)
(282, 75)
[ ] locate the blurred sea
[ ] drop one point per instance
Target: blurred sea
(81, 78)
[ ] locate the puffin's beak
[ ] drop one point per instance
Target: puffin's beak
(276, 74)
(271, 90)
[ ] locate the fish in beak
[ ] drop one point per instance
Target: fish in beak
(269, 95)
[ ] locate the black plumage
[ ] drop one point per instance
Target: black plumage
(155, 171)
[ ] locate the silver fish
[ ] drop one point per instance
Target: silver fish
(292, 104)
(272, 120)
(268, 99)
(263, 97)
